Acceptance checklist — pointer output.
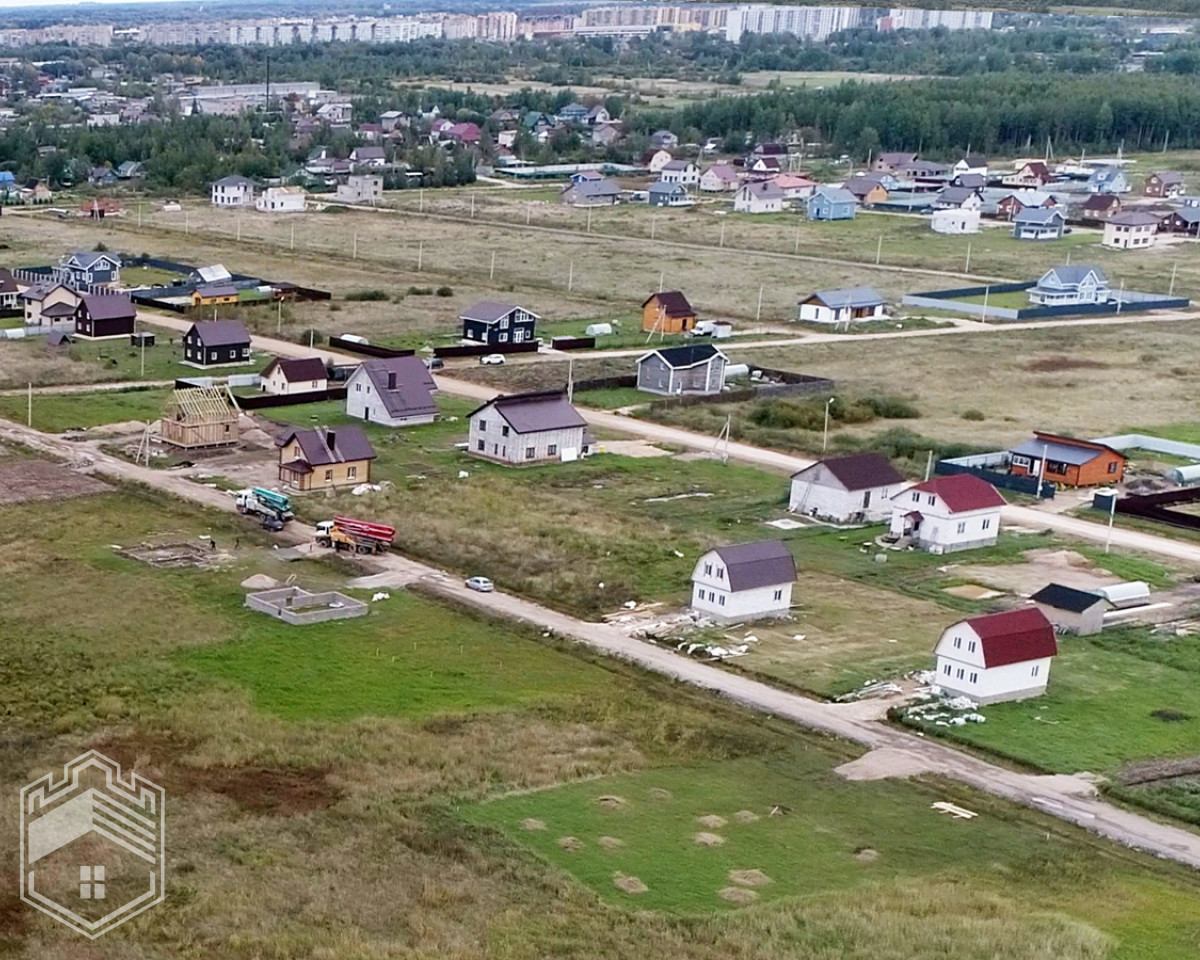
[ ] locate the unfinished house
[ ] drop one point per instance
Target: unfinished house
(198, 417)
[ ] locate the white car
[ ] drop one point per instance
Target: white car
(491, 359)
(482, 584)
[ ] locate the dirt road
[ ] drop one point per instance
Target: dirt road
(892, 752)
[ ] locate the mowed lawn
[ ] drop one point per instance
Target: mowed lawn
(409, 657)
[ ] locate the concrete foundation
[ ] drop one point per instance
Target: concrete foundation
(299, 607)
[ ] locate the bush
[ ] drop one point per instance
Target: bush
(445, 291)
(973, 415)
(892, 408)
(420, 291)
(367, 295)
(100, 247)
(304, 335)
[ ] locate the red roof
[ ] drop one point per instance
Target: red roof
(962, 492)
(1015, 636)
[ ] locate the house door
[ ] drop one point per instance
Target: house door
(366, 413)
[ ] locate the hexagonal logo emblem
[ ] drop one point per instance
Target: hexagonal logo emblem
(92, 845)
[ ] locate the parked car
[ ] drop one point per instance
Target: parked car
(482, 584)
(272, 524)
(435, 363)
(490, 359)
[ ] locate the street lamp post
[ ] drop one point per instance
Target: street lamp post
(825, 435)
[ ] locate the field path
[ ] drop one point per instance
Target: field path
(891, 751)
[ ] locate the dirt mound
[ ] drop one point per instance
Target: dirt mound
(116, 429)
(737, 895)
(611, 843)
(532, 824)
(745, 816)
(712, 821)
(709, 839)
(658, 793)
(749, 878)
(866, 855)
(610, 802)
(260, 581)
(628, 884)
(1060, 362)
(570, 844)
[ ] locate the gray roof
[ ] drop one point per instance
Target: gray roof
(39, 291)
(490, 311)
(974, 180)
(409, 392)
(1170, 176)
(680, 357)
(595, 188)
(673, 188)
(234, 181)
(1038, 216)
(323, 446)
(108, 306)
(1134, 218)
(535, 412)
(765, 563)
(849, 297)
(1060, 452)
(1072, 276)
(221, 333)
(678, 164)
(956, 194)
(85, 258)
(765, 190)
(217, 290)
(835, 195)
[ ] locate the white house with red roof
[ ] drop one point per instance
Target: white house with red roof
(1000, 656)
(958, 512)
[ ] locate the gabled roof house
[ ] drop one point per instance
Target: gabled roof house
(997, 657)
(956, 512)
(745, 581)
(856, 488)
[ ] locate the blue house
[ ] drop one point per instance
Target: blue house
(573, 113)
(8, 183)
(83, 267)
(1039, 223)
(1108, 180)
(669, 195)
(832, 203)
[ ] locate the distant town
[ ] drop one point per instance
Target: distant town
(624, 20)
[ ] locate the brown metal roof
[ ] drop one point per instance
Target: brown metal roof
(673, 303)
(764, 563)
(107, 306)
(221, 333)
(860, 471)
(296, 371)
(535, 412)
(323, 446)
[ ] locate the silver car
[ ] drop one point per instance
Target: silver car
(482, 584)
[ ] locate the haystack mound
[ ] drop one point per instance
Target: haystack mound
(749, 878)
(610, 802)
(712, 821)
(866, 855)
(570, 844)
(658, 793)
(709, 839)
(532, 824)
(611, 843)
(745, 816)
(628, 884)
(737, 895)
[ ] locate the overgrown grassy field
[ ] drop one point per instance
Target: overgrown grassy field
(327, 800)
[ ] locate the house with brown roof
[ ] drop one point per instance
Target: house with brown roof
(958, 512)
(1098, 207)
(324, 458)
(1166, 184)
(891, 162)
(287, 378)
(10, 294)
(866, 190)
(668, 312)
(996, 657)
(1131, 230)
(528, 428)
(217, 343)
(394, 392)
(745, 581)
(47, 303)
(102, 315)
(856, 488)
(1031, 175)
(719, 178)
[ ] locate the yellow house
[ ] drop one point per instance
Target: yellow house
(324, 458)
(214, 293)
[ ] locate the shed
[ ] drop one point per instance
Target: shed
(1076, 611)
(668, 312)
(1131, 593)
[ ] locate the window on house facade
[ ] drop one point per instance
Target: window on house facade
(479, 445)
(974, 678)
(721, 600)
(778, 594)
(351, 473)
(482, 424)
(962, 526)
(960, 673)
(958, 643)
(552, 450)
(1035, 669)
(1019, 461)
(329, 476)
(503, 338)
(931, 499)
(946, 669)
(985, 524)
(1112, 467)
(504, 431)
(357, 387)
(971, 647)
(708, 569)
(916, 498)
(530, 453)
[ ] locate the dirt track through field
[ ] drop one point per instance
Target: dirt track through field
(896, 752)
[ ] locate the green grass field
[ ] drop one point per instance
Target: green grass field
(408, 657)
(54, 413)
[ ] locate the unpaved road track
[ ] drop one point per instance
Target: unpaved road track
(892, 751)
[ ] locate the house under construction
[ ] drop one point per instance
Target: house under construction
(200, 417)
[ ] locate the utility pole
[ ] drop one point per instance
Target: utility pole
(653, 225)
(1112, 513)
(796, 247)
(983, 316)
(139, 213)
(570, 379)
(528, 212)
(279, 315)
(472, 206)
(570, 276)
(354, 255)
(721, 243)
(661, 275)
(29, 413)
(420, 254)
(293, 236)
(186, 226)
(421, 200)
(589, 220)
(967, 268)
(825, 434)
(879, 250)
(1171, 289)
(758, 312)
(492, 270)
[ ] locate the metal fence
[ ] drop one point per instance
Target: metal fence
(1030, 486)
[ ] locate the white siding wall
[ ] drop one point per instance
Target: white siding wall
(712, 596)
(278, 384)
(1014, 681)
(363, 402)
(942, 531)
(818, 313)
(832, 502)
(514, 447)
